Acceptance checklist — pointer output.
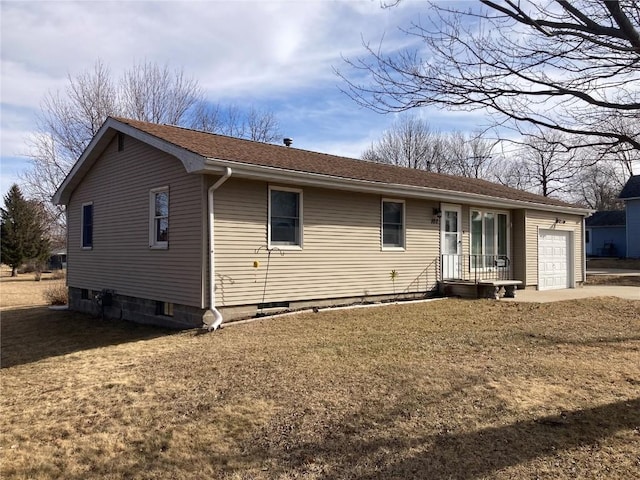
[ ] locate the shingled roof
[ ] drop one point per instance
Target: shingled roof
(221, 147)
(631, 188)
(607, 218)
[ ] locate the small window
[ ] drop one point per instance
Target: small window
(164, 308)
(159, 218)
(285, 217)
(393, 233)
(86, 239)
(120, 141)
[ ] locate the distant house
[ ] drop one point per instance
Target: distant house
(57, 259)
(630, 194)
(606, 234)
(170, 226)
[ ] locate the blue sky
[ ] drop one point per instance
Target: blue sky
(275, 54)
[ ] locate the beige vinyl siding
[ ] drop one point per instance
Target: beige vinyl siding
(518, 249)
(342, 254)
(466, 229)
(118, 185)
(536, 220)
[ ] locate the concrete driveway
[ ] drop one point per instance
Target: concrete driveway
(629, 293)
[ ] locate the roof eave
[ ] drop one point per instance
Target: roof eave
(275, 174)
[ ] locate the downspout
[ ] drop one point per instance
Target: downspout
(213, 318)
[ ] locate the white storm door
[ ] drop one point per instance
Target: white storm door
(554, 260)
(451, 241)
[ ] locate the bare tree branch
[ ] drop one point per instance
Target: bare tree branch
(565, 66)
(147, 91)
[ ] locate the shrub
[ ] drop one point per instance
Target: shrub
(28, 267)
(58, 275)
(57, 294)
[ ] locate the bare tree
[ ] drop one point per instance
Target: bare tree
(409, 142)
(262, 126)
(70, 118)
(566, 66)
(470, 155)
(154, 93)
(599, 185)
(254, 124)
(543, 166)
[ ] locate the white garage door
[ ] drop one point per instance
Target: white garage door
(554, 260)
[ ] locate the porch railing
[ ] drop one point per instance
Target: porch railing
(475, 267)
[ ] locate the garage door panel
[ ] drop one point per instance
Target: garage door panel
(554, 260)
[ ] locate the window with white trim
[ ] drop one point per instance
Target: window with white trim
(159, 217)
(489, 237)
(393, 224)
(285, 217)
(86, 236)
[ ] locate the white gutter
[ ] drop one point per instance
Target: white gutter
(274, 174)
(213, 318)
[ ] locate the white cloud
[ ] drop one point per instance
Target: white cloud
(276, 54)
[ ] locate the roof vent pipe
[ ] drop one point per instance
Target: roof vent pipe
(287, 141)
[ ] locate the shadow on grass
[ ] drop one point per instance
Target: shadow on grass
(32, 334)
(465, 456)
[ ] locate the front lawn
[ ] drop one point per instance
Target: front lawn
(445, 389)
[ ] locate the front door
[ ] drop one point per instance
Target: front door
(451, 241)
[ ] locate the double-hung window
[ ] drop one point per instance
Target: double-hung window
(393, 230)
(159, 217)
(86, 238)
(285, 217)
(489, 238)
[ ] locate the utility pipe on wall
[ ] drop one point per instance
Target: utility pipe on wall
(213, 318)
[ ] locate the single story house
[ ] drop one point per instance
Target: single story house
(630, 194)
(606, 234)
(169, 225)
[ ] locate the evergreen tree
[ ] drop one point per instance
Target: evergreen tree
(22, 231)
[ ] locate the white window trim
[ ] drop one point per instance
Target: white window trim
(152, 217)
(300, 218)
(483, 211)
(82, 226)
(404, 225)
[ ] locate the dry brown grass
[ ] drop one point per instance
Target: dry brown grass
(447, 389)
(25, 291)
(625, 263)
(619, 280)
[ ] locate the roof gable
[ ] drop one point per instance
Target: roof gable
(631, 188)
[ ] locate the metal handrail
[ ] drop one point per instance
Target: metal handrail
(475, 267)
